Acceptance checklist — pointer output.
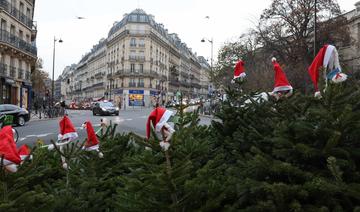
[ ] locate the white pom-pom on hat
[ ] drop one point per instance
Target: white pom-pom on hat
(273, 59)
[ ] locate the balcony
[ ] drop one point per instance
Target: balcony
(18, 43)
(109, 75)
(140, 85)
(20, 73)
(136, 58)
(16, 13)
(174, 82)
(99, 75)
(138, 32)
(3, 69)
(12, 72)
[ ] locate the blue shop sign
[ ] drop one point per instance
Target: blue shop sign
(154, 93)
(136, 91)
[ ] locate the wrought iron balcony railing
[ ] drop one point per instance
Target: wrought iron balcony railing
(16, 42)
(16, 13)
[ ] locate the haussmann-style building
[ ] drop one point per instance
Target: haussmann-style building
(139, 63)
(18, 53)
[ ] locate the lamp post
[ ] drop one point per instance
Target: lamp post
(315, 21)
(53, 72)
(211, 64)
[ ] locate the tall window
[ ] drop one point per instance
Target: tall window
(141, 68)
(132, 67)
(142, 42)
(132, 42)
(21, 7)
(3, 24)
(28, 13)
(21, 35)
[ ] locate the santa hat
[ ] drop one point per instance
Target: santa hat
(92, 142)
(239, 70)
(159, 116)
(24, 152)
(67, 130)
(281, 82)
(8, 148)
(328, 58)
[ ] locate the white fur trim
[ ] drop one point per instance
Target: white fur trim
(282, 88)
(23, 157)
(165, 117)
(328, 55)
(341, 78)
(11, 168)
(101, 155)
(7, 162)
(70, 136)
(242, 75)
(92, 148)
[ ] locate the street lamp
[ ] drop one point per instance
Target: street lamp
(315, 20)
(212, 49)
(53, 72)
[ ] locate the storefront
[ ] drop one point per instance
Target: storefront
(7, 91)
(136, 98)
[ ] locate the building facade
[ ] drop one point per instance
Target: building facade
(138, 64)
(350, 53)
(18, 52)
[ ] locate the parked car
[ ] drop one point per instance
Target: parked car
(105, 108)
(21, 115)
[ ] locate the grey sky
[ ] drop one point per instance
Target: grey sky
(228, 20)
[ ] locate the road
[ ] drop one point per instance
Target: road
(45, 130)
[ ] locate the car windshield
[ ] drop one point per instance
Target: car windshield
(106, 104)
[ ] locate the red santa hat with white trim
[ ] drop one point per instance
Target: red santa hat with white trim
(158, 117)
(24, 152)
(67, 129)
(8, 149)
(239, 70)
(328, 58)
(281, 82)
(92, 142)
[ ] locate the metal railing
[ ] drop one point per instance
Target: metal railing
(17, 42)
(132, 84)
(16, 13)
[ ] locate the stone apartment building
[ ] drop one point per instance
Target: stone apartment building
(138, 63)
(350, 54)
(18, 52)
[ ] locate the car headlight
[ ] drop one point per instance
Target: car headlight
(103, 109)
(117, 108)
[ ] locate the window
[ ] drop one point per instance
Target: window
(21, 7)
(3, 24)
(132, 67)
(142, 42)
(133, 18)
(133, 42)
(28, 13)
(142, 18)
(21, 35)
(141, 68)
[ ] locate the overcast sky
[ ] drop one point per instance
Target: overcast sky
(228, 20)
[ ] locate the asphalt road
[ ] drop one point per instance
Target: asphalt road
(46, 130)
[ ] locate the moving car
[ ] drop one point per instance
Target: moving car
(21, 115)
(105, 108)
